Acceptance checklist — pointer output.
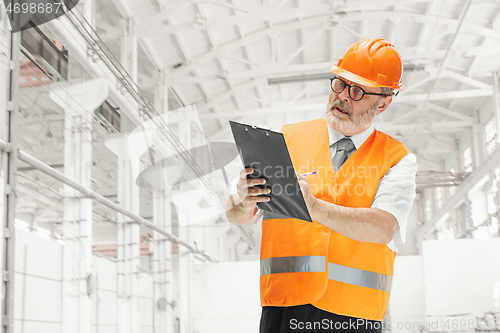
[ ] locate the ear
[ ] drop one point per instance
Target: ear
(384, 103)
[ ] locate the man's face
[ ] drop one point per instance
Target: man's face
(353, 117)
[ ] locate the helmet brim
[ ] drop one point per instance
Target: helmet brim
(358, 79)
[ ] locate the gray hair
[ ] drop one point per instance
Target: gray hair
(387, 91)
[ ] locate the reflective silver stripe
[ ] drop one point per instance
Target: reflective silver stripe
(292, 264)
(359, 277)
(271, 215)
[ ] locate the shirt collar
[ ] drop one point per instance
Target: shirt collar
(357, 139)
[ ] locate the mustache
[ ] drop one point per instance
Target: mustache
(338, 103)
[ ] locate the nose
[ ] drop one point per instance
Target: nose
(344, 95)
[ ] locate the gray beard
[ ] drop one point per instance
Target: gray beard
(355, 122)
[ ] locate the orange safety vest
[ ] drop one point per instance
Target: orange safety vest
(308, 263)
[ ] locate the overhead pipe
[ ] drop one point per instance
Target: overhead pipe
(99, 198)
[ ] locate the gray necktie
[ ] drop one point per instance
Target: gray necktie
(344, 147)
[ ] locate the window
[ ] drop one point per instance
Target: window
(490, 134)
(428, 209)
(467, 159)
(493, 195)
(445, 233)
(439, 197)
(452, 189)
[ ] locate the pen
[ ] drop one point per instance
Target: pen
(309, 173)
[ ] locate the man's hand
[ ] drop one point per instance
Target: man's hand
(250, 196)
(363, 224)
(242, 207)
(306, 193)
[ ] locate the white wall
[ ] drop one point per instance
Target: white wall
(414, 218)
(226, 297)
(104, 300)
(37, 302)
(37, 284)
(407, 304)
(146, 303)
(453, 280)
(460, 276)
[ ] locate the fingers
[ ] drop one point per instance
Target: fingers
(257, 216)
(244, 183)
(302, 180)
(254, 194)
(258, 191)
(255, 181)
(245, 172)
(249, 194)
(253, 200)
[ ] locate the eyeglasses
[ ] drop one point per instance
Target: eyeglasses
(356, 93)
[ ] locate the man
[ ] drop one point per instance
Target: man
(336, 273)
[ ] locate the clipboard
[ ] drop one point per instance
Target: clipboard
(266, 152)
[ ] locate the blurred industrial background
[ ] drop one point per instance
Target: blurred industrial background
(87, 247)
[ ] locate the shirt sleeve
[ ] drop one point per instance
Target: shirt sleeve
(395, 195)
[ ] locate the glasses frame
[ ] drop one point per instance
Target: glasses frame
(349, 90)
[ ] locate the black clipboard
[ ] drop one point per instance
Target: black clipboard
(266, 152)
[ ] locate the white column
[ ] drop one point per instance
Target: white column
(496, 103)
(128, 236)
(128, 56)
(185, 258)
(79, 100)
(9, 88)
(128, 251)
(88, 11)
(164, 320)
(162, 264)
(478, 144)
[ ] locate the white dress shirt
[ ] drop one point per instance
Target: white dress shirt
(396, 190)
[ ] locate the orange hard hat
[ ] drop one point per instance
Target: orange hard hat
(371, 63)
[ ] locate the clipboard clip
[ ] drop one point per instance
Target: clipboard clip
(264, 129)
(255, 127)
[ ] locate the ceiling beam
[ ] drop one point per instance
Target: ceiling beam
(317, 12)
(267, 111)
(433, 96)
(202, 108)
(263, 14)
(320, 106)
(226, 48)
(250, 61)
(449, 112)
(256, 36)
(213, 44)
(451, 44)
(408, 115)
(264, 71)
(444, 126)
(494, 48)
(466, 80)
(277, 69)
(426, 31)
